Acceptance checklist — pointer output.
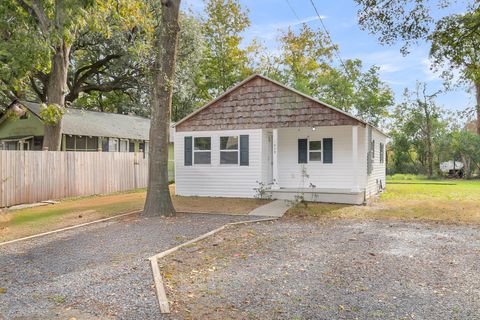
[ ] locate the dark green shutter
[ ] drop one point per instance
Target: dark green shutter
(328, 150)
(244, 153)
(302, 150)
(188, 151)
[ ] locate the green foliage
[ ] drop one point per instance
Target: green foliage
(225, 62)
(188, 75)
(52, 114)
(464, 146)
(456, 44)
(409, 177)
(418, 129)
(87, 29)
(305, 63)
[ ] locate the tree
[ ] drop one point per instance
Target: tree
(418, 121)
(305, 63)
(225, 62)
(158, 200)
(305, 56)
(456, 46)
(455, 38)
(37, 45)
(191, 52)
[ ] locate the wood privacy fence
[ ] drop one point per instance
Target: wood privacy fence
(33, 176)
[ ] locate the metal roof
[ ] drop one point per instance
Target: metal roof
(99, 124)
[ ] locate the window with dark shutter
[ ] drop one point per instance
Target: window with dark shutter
(327, 150)
(302, 150)
(244, 150)
(188, 151)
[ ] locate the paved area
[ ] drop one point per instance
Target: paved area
(100, 271)
(276, 208)
(337, 269)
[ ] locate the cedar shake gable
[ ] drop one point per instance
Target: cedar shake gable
(261, 103)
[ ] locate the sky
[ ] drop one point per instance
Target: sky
(270, 17)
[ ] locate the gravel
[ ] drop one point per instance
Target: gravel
(99, 271)
(340, 269)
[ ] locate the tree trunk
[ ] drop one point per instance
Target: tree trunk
(477, 89)
(159, 202)
(56, 91)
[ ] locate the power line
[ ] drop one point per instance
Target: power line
(293, 10)
(337, 51)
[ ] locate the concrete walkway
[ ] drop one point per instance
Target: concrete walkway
(276, 208)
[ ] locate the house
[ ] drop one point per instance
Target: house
(82, 130)
(262, 138)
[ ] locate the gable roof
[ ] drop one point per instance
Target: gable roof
(260, 102)
(99, 124)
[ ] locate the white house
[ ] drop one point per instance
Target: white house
(261, 137)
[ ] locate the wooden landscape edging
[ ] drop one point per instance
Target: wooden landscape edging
(157, 276)
(68, 228)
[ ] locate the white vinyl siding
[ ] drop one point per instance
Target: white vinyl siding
(378, 175)
(218, 180)
(323, 175)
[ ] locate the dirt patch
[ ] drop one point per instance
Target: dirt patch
(25, 222)
(335, 269)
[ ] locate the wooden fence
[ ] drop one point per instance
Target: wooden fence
(33, 176)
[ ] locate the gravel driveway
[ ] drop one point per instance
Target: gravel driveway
(340, 269)
(96, 271)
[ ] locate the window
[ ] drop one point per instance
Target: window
(315, 151)
(202, 150)
(123, 145)
(373, 149)
(92, 143)
(81, 143)
(382, 152)
(113, 145)
(229, 150)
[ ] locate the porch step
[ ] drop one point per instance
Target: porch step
(275, 208)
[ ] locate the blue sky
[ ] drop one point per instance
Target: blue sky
(270, 17)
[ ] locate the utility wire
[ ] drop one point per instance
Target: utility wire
(337, 51)
(293, 10)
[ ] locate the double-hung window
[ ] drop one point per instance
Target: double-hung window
(229, 149)
(315, 150)
(202, 151)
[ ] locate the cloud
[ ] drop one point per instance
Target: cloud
(270, 31)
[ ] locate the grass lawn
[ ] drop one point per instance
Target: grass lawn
(439, 200)
(20, 223)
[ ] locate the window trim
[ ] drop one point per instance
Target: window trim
(195, 151)
(229, 150)
(316, 151)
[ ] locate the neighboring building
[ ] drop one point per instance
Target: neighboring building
(82, 130)
(262, 138)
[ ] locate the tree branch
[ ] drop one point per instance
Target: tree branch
(37, 12)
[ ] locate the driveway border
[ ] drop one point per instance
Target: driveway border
(69, 228)
(157, 276)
